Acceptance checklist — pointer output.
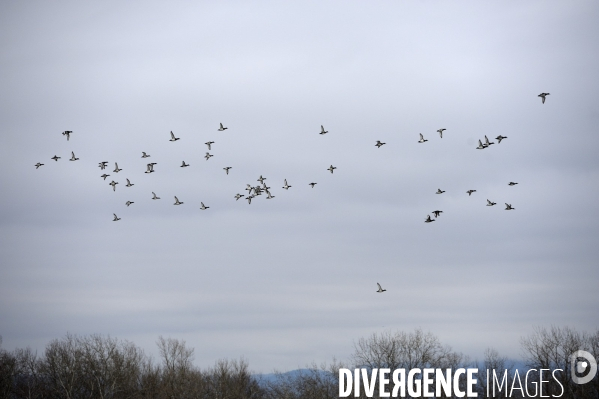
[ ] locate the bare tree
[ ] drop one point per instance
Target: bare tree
(8, 368)
(231, 379)
(111, 367)
(177, 367)
(29, 382)
(315, 382)
(550, 349)
(62, 367)
(500, 376)
(401, 350)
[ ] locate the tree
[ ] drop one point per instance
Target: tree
(177, 367)
(62, 367)
(551, 349)
(315, 382)
(404, 350)
(401, 350)
(502, 367)
(231, 379)
(8, 366)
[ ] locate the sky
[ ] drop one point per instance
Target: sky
(292, 280)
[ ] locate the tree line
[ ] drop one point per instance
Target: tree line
(96, 366)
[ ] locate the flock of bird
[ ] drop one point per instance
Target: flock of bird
(259, 189)
(252, 191)
(481, 146)
(436, 213)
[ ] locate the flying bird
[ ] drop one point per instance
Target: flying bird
(380, 288)
(499, 138)
(144, 155)
(208, 155)
(154, 196)
(543, 95)
(177, 202)
(439, 191)
(115, 217)
(227, 169)
(129, 184)
(184, 165)
(222, 128)
(332, 168)
(489, 203)
(440, 131)
(261, 179)
(512, 183)
(102, 165)
(173, 138)
(437, 213)
(480, 145)
(237, 196)
(487, 141)
(116, 168)
(113, 184)
(150, 168)
(508, 207)
(73, 158)
(37, 165)
(379, 144)
(55, 157)
(67, 133)
(104, 176)
(428, 219)
(470, 192)
(203, 207)
(322, 131)
(129, 203)
(312, 184)
(209, 144)
(286, 186)
(422, 140)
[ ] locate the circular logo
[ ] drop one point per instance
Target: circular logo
(578, 366)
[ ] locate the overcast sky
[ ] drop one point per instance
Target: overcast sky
(291, 280)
